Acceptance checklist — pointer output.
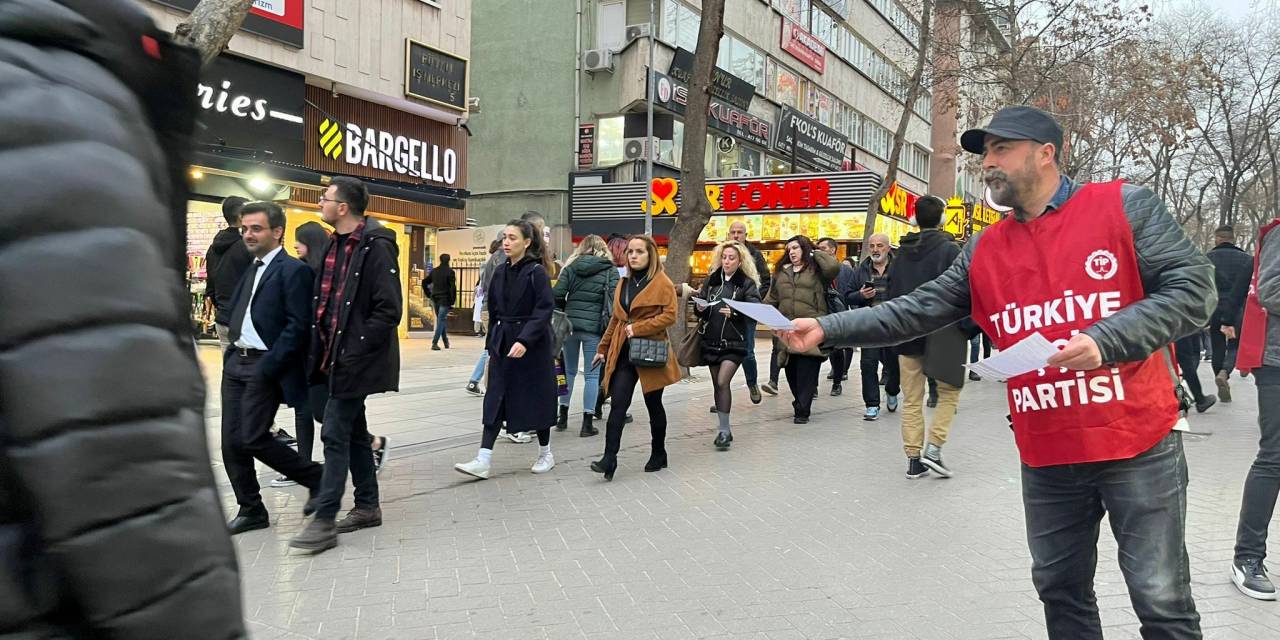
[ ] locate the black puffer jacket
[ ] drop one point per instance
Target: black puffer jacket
(721, 335)
(110, 525)
(585, 292)
(922, 257)
(1178, 280)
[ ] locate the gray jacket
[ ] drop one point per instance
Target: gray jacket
(1178, 280)
(1269, 295)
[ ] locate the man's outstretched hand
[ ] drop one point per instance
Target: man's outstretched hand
(1080, 354)
(807, 335)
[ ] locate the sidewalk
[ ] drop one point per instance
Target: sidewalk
(796, 532)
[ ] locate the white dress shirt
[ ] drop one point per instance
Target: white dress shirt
(249, 338)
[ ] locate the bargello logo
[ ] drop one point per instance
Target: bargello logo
(331, 138)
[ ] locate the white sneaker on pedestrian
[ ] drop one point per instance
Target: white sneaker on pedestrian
(281, 482)
(544, 464)
(477, 467)
(524, 437)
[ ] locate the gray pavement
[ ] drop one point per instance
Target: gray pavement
(797, 532)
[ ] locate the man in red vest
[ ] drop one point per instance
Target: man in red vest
(1104, 272)
(1260, 355)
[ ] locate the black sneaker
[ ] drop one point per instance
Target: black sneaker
(836, 389)
(975, 377)
(380, 455)
(915, 469)
(475, 389)
(932, 458)
(1250, 577)
(288, 440)
(1205, 403)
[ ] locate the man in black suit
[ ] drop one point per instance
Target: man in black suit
(265, 364)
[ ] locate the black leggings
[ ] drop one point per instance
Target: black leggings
(721, 375)
(490, 436)
(622, 387)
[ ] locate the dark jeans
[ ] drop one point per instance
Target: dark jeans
(249, 404)
(1146, 499)
(749, 367)
(442, 323)
(1188, 350)
(980, 340)
(840, 360)
(1263, 482)
(872, 358)
(622, 386)
(345, 435)
(802, 379)
(1224, 351)
(774, 367)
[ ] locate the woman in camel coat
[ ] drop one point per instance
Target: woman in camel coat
(644, 306)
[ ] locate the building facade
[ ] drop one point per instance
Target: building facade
(802, 87)
(311, 89)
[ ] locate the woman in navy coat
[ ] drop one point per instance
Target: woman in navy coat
(522, 376)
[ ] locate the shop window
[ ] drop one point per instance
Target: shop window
(776, 166)
(609, 142)
(787, 87)
(740, 162)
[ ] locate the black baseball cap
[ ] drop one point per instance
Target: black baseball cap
(1015, 123)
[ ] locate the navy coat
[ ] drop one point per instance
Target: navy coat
(281, 315)
(522, 391)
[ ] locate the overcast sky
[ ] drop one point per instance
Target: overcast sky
(1230, 8)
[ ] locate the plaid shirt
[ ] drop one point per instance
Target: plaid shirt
(329, 334)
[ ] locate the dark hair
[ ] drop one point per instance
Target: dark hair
(1225, 231)
(495, 245)
(537, 250)
(353, 192)
(534, 217)
(806, 248)
(828, 239)
(929, 212)
(275, 215)
(314, 237)
(444, 259)
(231, 209)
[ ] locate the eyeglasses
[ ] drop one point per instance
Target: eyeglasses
(324, 200)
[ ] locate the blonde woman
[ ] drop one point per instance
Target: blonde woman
(644, 306)
(724, 331)
(584, 292)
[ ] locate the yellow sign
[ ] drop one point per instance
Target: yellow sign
(954, 217)
(898, 202)
(662, 191)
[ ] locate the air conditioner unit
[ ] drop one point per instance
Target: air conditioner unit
(637, 31)
(636, 148)
(594, 60)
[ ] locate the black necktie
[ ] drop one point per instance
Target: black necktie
(244, 300)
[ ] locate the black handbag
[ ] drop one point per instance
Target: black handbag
(647, 352)
(835, 301)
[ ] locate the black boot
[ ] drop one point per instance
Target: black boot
(657, 460)
(562, 422)
(588, 429)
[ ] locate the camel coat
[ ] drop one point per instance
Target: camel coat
(652, 313)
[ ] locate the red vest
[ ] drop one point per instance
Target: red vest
(1253, 335)
(1058, 275)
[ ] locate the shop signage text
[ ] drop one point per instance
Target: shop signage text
(251, 106)
(586, 145)
(369, 147)
(984, 216)
(815, 144)
(754, 195)
(280, 20)
(674, 96)
(899, 202)
(804, 46)
(724, 85)
(435, 76)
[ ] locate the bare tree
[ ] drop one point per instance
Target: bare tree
(210, 26)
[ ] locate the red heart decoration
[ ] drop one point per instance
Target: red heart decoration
(663, 187)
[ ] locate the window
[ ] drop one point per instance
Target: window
(609, 142)
(679, 25)
(742, 60)
(777, 166)
(787, 87)
(795, 10)
(611, 24)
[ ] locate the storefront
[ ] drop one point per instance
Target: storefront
(267, 135)
(774, 209)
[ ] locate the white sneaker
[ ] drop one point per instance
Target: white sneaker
(281, 482)
(524, 437)
(475, 467)
(544, 464)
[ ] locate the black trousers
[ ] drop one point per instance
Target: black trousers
(622, 386)
(872, 358)
(840, 360)
(345, 434)
(1262, 485)
(802, 379)
(249, 404)
(1188, 350)
(1146, 499)
(1224, 351)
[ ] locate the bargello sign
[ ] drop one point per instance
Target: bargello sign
(385, 151)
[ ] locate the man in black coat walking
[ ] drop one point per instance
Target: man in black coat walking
(1233, 269)
(225, 263)
(738, 233)
(442, 289)
(269, 326)
(355, 349)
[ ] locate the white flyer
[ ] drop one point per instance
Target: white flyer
(1029, 354)
(703, 303)
(767, 315)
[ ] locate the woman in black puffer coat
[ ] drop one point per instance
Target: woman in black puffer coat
(724, 331)
(584, 292)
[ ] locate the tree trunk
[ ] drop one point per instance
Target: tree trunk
(900, 135)
(210, 26)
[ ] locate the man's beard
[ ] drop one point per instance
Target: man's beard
(1006, 193)
(878, 258)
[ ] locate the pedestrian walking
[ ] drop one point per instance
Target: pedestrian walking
(442, 289)
(870, 288)
(840, 359)
(979, 349)
(1095, 428)
(644, 307)
(1232, 271)
(265, 365)
(224, 265)
(584, 292)
(799, 290)
(522, 378)
(1187, 350)
(355, 350)
(750, 368)
(617, 244)
(110, 522)
(723, 330)
(496, 259)
(922, 257)
(1259, 355)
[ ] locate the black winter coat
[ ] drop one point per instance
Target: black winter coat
(866, 274)
(584, 291)
(920, 259)
(110, 522)
(1232, 273)
(522, 391)
(225, 263)
(365, 358)
(721, 335)
(763, 268)
(443, 286)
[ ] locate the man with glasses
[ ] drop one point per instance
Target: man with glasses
(355, 350)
